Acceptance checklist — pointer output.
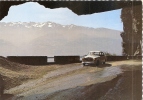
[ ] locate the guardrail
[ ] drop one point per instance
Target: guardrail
(66, 59)
(116, 58)
(119, 58)
(29, 60)
(42, 60)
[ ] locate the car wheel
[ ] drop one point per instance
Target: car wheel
(97, 63)
(83, 64)
(104, 62)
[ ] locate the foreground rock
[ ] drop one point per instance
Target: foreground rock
(1, 86)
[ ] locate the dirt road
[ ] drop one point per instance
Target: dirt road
(61, 82)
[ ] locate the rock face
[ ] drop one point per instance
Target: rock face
(132, 35)
(1, 86)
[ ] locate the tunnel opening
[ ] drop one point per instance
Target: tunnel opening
(89, 33)
(131, 33)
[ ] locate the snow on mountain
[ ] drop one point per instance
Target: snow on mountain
(34, 24)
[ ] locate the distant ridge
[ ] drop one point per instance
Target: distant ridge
(48, 38)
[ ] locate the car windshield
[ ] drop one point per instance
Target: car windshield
(94, 53)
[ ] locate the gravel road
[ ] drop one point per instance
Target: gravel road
(71, 77)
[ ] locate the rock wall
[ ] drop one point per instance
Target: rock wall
(132, 30)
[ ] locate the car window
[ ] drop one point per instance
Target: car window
(94, 53)
(101, 54)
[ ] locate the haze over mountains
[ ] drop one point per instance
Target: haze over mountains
(49, 39)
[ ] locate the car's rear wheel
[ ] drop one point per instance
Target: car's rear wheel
(97, 63)
(104, 62)
(83, 64)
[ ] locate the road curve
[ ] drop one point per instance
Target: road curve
(71, 76)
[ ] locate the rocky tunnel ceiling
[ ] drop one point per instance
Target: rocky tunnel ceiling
(78, 7)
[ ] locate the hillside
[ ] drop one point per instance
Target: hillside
(54, 39)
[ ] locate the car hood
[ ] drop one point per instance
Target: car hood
(90, 56)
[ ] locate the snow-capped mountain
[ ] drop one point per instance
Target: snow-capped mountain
(34, 25)
(49, 38)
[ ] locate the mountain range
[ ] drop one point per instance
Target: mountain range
(49, 39)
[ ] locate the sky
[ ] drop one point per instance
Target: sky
(34, 12)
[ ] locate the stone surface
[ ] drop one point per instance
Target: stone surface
(1, 86)
(132, 35)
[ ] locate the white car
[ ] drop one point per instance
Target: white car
(94, 57)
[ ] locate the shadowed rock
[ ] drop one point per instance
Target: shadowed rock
(1, 86)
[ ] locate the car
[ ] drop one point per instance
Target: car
(94, 57)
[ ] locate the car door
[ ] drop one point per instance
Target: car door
(102, 58)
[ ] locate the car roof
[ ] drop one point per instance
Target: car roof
(95, 51)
